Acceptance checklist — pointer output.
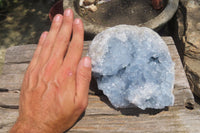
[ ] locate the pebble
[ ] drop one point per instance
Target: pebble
(198, 26)
(89, 2)
(92, 8)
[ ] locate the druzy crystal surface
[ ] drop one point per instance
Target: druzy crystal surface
(133, 67)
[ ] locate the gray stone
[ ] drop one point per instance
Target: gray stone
(193, 74)
(133, 66)
(198, 26)
(189, 41)
(192, 48)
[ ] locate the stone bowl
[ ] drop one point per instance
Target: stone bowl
(156, 23)
(57, 8)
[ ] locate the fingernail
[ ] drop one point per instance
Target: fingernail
(87, 62)
(67, 12)
(77, 21)
(57, 18)
(44, 34)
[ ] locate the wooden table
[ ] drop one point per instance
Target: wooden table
(100, 116)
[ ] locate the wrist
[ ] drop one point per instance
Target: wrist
(30, 127)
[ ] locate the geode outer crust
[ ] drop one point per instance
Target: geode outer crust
(132, 66)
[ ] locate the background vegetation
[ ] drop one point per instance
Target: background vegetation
(22, 22)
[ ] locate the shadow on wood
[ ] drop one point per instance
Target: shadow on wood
(80, 118)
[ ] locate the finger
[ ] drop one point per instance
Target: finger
(34, 60)
(60, 46)
(67, 79)
(82, 82)
(76, 46)
(63, 37)
(38, 49)
(48, 44)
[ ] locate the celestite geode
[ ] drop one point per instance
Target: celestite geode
(132, 66)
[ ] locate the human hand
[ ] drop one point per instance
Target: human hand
(54, 92)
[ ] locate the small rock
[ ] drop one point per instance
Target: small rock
(92, 8)
(81, 3)
(89, 2)
(103, 1)
(198, 26)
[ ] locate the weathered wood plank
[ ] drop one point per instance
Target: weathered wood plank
(20, 54)
(100, 116)
(24, 53)
(7, 119)
(98, 105)
(9, 100)
(11, 81)
(180, 77)
(14, 68)
(173, 122)
(18, 57)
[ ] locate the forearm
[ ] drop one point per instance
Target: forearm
(20, 128)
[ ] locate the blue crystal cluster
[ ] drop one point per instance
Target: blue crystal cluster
(132, 66)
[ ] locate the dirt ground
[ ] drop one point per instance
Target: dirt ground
(22, 23)
(121, 12)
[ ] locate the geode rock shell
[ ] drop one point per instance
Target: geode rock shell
(133, 66)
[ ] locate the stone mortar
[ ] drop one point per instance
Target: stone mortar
(155, 23)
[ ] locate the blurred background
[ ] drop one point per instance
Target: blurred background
(22, 22)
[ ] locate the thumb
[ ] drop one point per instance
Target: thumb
(83, 78)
